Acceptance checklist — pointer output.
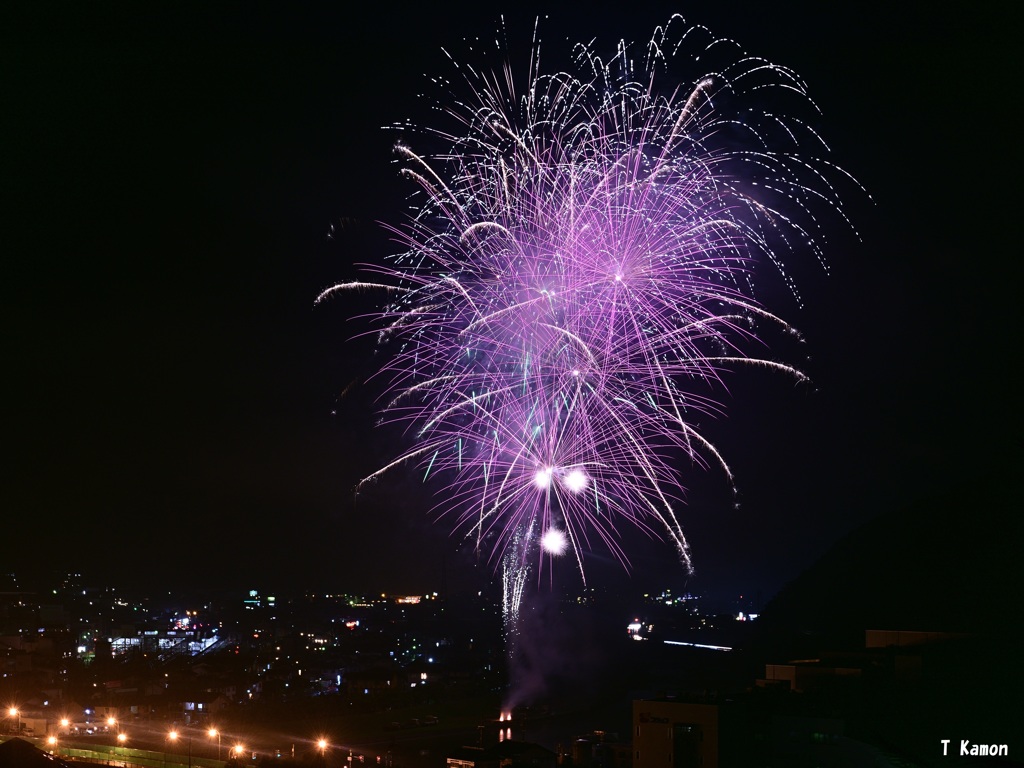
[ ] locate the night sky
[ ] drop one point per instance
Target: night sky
(177, 412)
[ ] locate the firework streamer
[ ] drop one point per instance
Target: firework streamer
(514, 576)
(578, 275)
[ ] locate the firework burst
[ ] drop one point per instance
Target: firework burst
(577, 276)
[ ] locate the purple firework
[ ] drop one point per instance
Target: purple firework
(578, 274)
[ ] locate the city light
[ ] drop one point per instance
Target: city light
(699, 645)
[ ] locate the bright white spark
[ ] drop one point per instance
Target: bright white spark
(554, 542)
(576, 480)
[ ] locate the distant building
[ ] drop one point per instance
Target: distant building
(675, 734)
(18, 753)
(505, 754)
(811, 675)
(681, 734)
(599, 749)
(890, 638)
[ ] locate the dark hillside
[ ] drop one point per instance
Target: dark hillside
(949, 562)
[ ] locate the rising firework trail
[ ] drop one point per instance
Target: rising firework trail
(515, 570)
(577, 276)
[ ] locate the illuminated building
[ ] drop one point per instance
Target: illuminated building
(681, 734)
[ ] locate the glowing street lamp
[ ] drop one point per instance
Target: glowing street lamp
(321, 744)
(51, 742)
(122, 738)
(15, 712)
(173, 737)
(214, 732)
(238, 749)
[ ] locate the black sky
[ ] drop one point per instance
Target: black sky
(173, 402)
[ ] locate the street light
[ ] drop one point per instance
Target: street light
(238, 750)
(322, 746)
(173, 736)
(14, 712)
(214, 732)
